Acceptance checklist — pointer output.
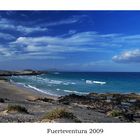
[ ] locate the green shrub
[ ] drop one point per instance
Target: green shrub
(16, 108)
(115, 113)
(60, 113)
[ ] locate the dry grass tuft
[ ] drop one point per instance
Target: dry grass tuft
(59, 113)
(16, 108)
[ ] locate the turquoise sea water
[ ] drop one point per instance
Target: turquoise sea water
(64, 83)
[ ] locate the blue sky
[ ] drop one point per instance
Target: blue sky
(70, 40)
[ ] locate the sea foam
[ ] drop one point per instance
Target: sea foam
(95, 82)
(73, 91)
(40, 90)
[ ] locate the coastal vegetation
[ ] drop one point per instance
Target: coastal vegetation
(16, 108)
(59, 113)
(115, 113)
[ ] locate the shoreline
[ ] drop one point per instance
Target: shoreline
(66, 91)
(24, 91)
(39, 91)
(34, 91)
(92, 107)
(18, 85)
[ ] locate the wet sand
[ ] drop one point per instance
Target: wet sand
(17, 93)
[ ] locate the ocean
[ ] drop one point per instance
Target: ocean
(64, 83)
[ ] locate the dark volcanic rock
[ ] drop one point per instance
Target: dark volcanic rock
(2, 100)
(45, 99)
(127, 104)
(90, 102)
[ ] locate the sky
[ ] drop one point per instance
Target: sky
(70, 40)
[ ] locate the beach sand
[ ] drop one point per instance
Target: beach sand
(39, 104)
(9, 90)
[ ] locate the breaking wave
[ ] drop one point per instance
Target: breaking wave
(95, 82)
(73, 91)
(40, 90)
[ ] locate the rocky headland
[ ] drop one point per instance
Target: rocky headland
(22, 72)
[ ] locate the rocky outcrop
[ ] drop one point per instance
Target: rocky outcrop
(124, 106)
(91, 103)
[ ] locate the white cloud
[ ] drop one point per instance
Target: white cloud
(71, 32)
(12, 53)
(128, 56)
(54, 44)
(32, 48)
(62, 22)
(79, 39)
(27, 30)
(4, 21)
(70, 20)
(6, 36)
(12, 25)
(40, 55)
(5, 51)
(79, 42)
(6, 24)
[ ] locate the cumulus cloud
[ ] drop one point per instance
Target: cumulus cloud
(128, 56)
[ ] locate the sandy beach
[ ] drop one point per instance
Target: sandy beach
(14, 92)
(37, 105)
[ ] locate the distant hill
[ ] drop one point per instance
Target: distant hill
(21, 72)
